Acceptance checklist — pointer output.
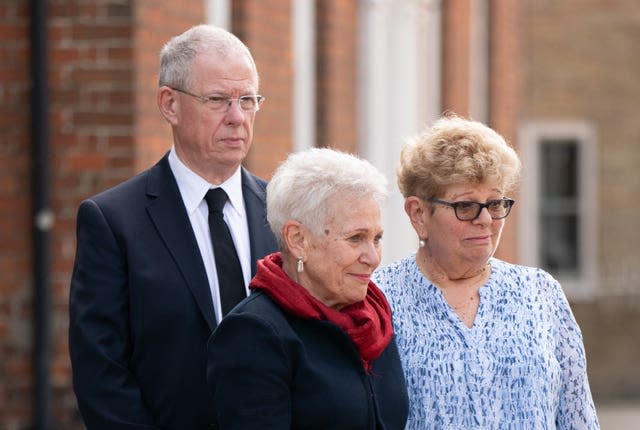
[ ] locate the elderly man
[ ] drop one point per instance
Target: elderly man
(162, 257)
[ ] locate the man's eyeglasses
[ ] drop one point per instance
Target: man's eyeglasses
(220, 103)
(468, 211)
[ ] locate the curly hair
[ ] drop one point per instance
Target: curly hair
(455, 151)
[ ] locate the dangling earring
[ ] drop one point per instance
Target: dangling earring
(300, 265)
(421, 243)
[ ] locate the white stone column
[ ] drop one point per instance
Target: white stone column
(304, 64)
(218, 12)
(399, 93)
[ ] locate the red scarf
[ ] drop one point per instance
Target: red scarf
(367, 323)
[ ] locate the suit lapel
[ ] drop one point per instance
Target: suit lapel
(168, 213)
(262, 239)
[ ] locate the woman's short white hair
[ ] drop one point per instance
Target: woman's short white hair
(302, 187)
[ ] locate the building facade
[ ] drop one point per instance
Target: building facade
(358, 75)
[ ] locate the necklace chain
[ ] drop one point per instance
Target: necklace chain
(464, 306)
(463, 309)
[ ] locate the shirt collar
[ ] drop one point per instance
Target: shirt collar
(193, 187)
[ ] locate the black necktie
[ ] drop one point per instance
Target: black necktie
(230, 277)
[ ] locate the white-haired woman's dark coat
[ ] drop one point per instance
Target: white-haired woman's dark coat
(270, 370)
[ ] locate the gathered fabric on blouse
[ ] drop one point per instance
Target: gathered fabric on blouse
(521, 365)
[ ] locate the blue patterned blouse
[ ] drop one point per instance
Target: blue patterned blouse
(521, 366)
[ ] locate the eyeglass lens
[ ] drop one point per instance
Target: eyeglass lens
(247, 103)
(466, 211)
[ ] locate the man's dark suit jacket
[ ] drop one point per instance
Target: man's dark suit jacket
(140, 304)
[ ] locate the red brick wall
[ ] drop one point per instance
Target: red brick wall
(15, 209)
(505, 83)
(104, 127)
(156, 22)
(337, 59)
(505, 52)
(266, 28)
(455, 56)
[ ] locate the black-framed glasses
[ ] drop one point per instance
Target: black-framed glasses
(220, 103)
(468, 211)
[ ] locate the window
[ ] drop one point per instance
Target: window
(559, 203)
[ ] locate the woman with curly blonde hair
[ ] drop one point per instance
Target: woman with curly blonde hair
(484, 344)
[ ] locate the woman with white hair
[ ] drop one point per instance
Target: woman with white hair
(313, 345)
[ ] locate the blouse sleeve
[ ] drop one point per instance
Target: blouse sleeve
(576, 409)
(248, 372)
